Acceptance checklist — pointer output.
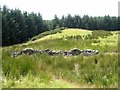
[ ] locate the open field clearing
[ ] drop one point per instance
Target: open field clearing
(42, 70)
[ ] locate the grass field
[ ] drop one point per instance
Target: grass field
(64, 72)
(65, 33)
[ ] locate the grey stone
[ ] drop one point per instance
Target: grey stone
(74, 51)
(28, 51)
(39, 51)
(65, 53)
(53, 52)
(47, 50)
(88, 52)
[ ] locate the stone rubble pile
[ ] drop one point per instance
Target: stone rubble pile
(72, 52)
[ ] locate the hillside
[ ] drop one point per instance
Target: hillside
(65, 33)
(42, 70)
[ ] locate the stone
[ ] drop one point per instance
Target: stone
(47, 50)
(39, 51)
(88, 52)
(14, 54)
(74, 51)
(85, 53)
(28, 51)
(96, 52)
(65, 53)
(53, 52)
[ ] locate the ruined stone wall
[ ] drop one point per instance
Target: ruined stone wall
(72, 52)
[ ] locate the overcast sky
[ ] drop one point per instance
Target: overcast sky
(48, 8)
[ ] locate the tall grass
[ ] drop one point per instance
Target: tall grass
(100, 70)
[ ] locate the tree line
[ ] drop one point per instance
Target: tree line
(86, 22)
(18, 26)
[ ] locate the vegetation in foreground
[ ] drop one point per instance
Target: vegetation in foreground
(59, 71)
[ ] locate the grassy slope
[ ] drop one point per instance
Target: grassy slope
(62, 69)
(65, 33)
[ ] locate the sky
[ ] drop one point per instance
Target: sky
(48, 8)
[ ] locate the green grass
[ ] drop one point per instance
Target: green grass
(46, 34)
(30, 81)
(59, 71)
(65, 33)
